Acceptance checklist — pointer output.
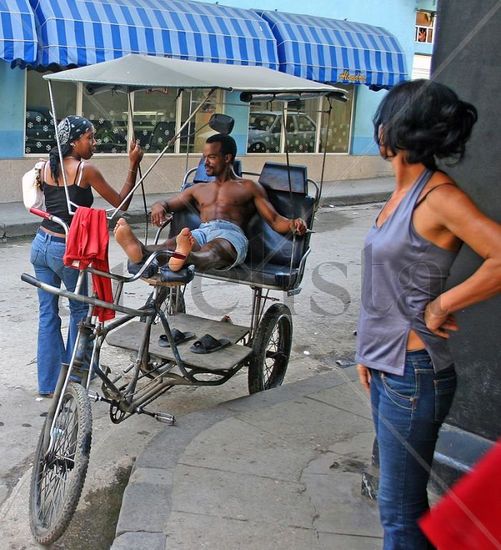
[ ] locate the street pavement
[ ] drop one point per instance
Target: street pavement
(279, 469)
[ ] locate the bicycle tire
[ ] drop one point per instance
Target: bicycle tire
(57, 478)
(271, 349)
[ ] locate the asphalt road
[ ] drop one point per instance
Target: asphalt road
(324, 316)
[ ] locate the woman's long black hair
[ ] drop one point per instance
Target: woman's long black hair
(425, 119)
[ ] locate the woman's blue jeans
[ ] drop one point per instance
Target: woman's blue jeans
(47, 258)
(408, 411)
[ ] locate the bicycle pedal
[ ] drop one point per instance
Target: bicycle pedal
(165, 418)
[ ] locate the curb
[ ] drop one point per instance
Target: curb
(352, 200)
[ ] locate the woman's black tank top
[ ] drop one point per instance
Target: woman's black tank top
(55, 200)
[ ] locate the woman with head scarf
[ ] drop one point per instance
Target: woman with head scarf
(77, 142)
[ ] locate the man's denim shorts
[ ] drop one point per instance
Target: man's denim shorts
(222, 229)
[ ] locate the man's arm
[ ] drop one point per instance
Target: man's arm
(278, 222)
(161, 209)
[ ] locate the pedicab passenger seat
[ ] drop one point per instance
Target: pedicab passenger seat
(268, 263)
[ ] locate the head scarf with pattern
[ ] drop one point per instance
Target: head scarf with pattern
(70, 129)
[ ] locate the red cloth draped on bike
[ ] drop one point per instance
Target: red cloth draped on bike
(87, 243)
(468, 516)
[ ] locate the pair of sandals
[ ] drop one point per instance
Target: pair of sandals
(205, 344)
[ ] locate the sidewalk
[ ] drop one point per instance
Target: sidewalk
(276, 470)
(16, 221)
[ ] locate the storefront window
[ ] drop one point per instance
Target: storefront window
(108, 113)
(265, 126)
(155, 119)
(39, 124)
(195, 134)
(335, 129)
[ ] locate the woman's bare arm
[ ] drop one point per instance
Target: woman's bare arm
(459, 215)
(94, 178)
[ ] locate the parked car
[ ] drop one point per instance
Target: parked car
(265, 131)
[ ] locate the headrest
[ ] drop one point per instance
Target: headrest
(283, 177)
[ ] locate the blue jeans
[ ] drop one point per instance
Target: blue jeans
(408, 411)
(223, 229)
(47, 254)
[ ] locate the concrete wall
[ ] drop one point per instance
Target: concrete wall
(466, 58)
(168, 174)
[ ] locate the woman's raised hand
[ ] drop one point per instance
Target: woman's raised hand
(135, 152)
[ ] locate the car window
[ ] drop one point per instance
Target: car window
(261, 121)
(290, 124)
(305, 124)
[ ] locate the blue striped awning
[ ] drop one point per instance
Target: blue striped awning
(328, 50)
(18, 39)
(84, 32)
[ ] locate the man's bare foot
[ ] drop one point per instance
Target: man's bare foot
(128, 241)
(184, 244)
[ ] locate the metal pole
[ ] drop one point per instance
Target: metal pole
(69, 204)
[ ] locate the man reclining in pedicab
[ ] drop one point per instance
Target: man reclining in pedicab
(225, 205)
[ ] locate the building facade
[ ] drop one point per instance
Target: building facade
(354, 46)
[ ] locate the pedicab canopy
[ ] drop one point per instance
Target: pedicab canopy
(139, 72)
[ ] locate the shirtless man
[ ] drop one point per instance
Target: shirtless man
(225, 205)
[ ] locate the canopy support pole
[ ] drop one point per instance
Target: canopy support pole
(69, 204)
(324, 156)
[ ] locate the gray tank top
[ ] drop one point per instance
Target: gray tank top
(402, 272)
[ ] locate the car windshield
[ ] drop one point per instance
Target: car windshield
(261, 121)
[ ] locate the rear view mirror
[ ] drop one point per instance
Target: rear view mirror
(222, 124)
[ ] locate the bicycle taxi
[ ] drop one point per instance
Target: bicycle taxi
(275, 263)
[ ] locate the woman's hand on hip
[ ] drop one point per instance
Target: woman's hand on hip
(364, 376)
(439, 321)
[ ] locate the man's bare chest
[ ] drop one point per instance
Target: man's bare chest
(224, 195)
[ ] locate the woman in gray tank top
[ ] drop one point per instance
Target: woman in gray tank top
(406, 312)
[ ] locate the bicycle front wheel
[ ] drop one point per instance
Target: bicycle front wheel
(59, 472)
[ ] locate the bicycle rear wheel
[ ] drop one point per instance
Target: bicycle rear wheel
(59, 473)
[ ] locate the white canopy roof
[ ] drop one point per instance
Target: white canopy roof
(135, 72)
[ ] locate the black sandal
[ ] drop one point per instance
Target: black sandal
(209, 344)
(179, 338)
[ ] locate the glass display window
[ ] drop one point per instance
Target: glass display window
(39, 130)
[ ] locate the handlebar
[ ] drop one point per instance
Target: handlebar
(41, 213)
(47, 216)
(86, 299)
